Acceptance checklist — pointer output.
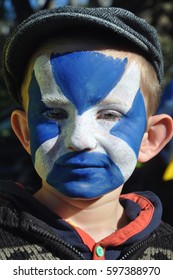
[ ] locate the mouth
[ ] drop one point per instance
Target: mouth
(82, 161)
(80, 166)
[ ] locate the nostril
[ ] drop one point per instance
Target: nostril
(77, 148)
(72, 148)
(87, 149)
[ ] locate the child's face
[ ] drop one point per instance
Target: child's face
(86, 119)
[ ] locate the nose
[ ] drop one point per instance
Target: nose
(79, 135)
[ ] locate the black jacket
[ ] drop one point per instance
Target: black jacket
(25, 237)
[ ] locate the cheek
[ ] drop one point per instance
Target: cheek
(40, 132)
(132, 126)
(122, 141)
(41, 129)
(122, 155)
(45, 157)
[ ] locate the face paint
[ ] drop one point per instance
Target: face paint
(41, 129)
(88, 99)
(81, 77)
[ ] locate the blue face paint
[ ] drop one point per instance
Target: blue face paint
(86, 78)
(90, 175)
(131, 127)
(41, 129)
(86, 175)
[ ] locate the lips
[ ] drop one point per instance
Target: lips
(80, 166)
(83, 160)
(85, 175)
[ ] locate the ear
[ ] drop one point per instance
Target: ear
(20, 126)
(159, 133)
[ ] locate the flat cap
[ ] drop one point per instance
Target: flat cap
(118, 23)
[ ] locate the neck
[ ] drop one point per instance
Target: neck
(98, 217)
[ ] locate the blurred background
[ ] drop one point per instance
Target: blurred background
(157, 174)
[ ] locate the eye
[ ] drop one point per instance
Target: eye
(56, 114)
(109, 115)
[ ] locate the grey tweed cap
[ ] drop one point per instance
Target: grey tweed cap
(118, 24)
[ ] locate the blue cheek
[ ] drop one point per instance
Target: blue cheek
(86, 78)
(40, 128)
(132, 126)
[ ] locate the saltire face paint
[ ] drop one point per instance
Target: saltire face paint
(87, 85)
(41, 128)
(86, 118)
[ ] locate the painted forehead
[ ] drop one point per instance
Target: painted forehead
(85, 78)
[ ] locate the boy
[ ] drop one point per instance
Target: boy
(88, 81)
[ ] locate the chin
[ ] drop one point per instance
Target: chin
(79, 191)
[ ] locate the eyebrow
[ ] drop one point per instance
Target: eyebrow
(113, 102)
(55, 100)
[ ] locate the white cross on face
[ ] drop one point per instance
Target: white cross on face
(86, 118)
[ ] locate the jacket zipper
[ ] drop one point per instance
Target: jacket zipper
(136, 247)
(52, 237)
